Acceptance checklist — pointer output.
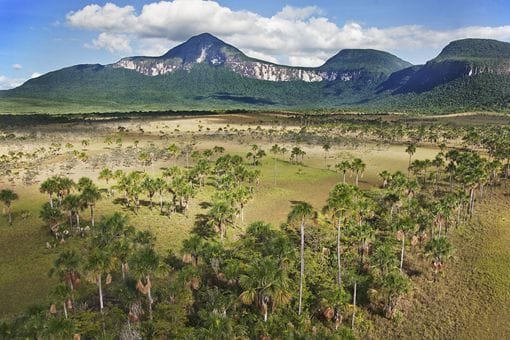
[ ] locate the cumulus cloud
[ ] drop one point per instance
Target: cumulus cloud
(17, 66)
(35, 75)
(9, 83)
(298, 36)
(112, 42)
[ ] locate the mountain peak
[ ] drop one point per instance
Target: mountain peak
(368, 60)
(201, 48)
(475, 48)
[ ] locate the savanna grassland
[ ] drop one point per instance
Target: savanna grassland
(423, 212)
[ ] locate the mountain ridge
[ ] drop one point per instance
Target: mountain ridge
(206, 73)
(206, 48)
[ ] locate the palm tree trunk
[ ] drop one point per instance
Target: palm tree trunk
(78, 220)
(149, 295)
(357, 178)
(338, 253)
(302, 271)
(402, 252)
(264, 307)
(92, 215)
(344, 177)
(161, 202)
(354, 304)
(65, 309)
(51, 201)
(9, 212)
(100, 293)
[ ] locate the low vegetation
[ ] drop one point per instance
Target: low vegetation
(343, 260)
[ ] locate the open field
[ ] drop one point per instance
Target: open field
(473, 292)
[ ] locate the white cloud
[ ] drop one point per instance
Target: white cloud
(303, 36)
(296, 13)
(9, 83)
(112, 42)
(17, 66)
(35, 75)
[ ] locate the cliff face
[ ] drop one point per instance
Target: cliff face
(348, 65)
(240, 64)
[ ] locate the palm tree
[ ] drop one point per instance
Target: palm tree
(265, 284)
(49, 186)
(160, 185)
(275, 150)
(339, 202)
(107, 175)
(220, 215)
(405, 225)
(395, 285)
(386, 177)
(64, 186)
(301, 212)
(66, 268)
(172, 150)
(52, 216)
(343, 166)
(411, 150)
(241, 196)
(145, 262)
(440, 249)
(7, 197)
(149, 185)
(73, 204)
(90, 195)
(358, 167)
(384, 258)
(326, 147)
(65, 294)
(99, 264)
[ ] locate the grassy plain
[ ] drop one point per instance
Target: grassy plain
(472, 300)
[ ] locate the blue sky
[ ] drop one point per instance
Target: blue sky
(40, 36)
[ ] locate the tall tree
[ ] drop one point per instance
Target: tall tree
(99, 265)
(90, 194)
(66, 267)
(7, 197)
(339, 202)
(410, 150)
(145, 262)
(300, 213)
(265, 284)
(343, 167)
(358, 167)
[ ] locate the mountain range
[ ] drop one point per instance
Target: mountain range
(206, 73)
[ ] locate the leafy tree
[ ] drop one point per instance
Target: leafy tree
(300, 213)
(145, 262)
(265, 284)
(7, 197)
(98, 266)
(66, 267)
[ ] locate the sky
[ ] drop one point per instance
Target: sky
(41, 36)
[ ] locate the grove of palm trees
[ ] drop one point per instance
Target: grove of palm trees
(255, 226)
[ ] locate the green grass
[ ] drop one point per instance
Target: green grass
(27, 263)
(472, 300)
(469, 302)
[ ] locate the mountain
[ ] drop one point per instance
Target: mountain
(461, 58)
(207, 49)
(207, 73)
(366, 63)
